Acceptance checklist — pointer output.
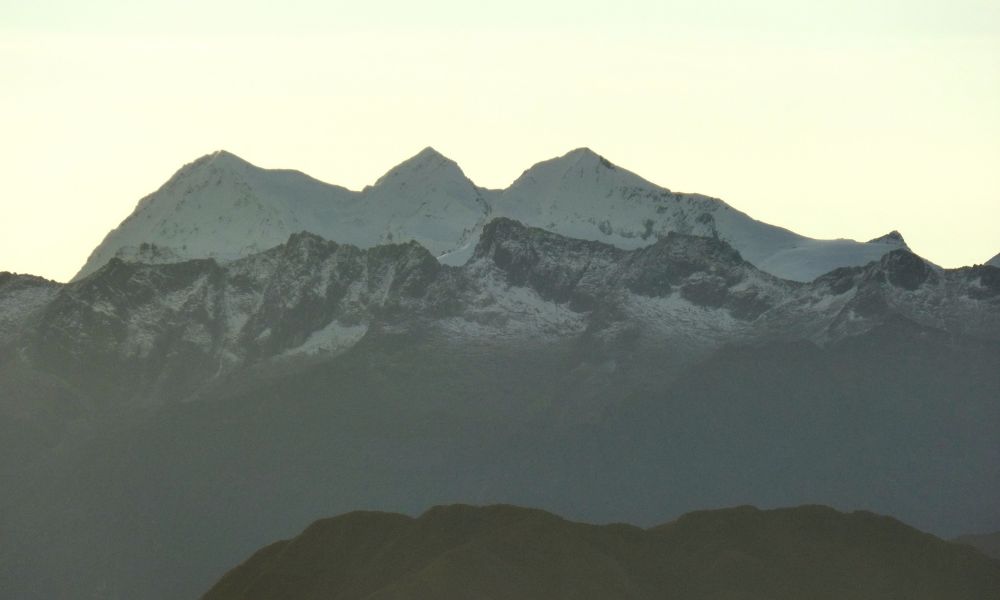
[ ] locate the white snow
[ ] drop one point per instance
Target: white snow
(674, 318)
(223, 207)
(500, 311)
(805, 258)
(581, 195)
(19, 304)
(335, 337)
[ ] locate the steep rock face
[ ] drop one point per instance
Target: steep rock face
(901, 285)
(704, 272)
(559, 269)
(222, 207)
(177, 325)
(21, 298)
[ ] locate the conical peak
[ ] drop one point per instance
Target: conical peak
(209, 165)
(429, 153)
(428, 157)
(893, 237)
(580, 159)
(421, 165)
(223, 159)
(584, 167)
(586, 157)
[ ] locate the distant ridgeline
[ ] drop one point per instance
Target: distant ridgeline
(221, 206)
(508, 552)
(253, 350)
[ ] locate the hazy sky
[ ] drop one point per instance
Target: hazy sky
(834, 119)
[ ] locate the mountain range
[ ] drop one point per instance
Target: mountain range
(220, 373)
(221, 206)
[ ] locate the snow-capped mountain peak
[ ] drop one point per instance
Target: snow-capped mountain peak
(426, 198)
(221, 206)
(893, 238)
(310, 293)
(427, 163)
(584, 159)
(226, 159)
(427, 169)
(578, 168)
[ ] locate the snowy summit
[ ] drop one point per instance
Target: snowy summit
(221, 206)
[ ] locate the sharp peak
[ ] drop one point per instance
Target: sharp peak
(582, 160)
(582, 151)
(584, 154)
(222, 159)
(425, 160)
(226, 156)
(427, 156)
(893, 237)
(429, 152)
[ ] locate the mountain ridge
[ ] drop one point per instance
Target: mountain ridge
(231, 402)
(520, 282)
(505, 551)
(222, 206)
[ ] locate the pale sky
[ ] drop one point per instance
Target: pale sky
(833, 119)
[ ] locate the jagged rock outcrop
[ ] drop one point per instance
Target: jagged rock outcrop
(177, 325)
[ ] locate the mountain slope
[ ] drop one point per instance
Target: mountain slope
(583, 195)
(994, 262)
(987, 543)
(222, 207)
(177, 326)
(509, 552)
(21, 297)
(899, 420)
(213, 406)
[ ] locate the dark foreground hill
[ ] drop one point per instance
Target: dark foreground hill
(504, 551)
(987, 543)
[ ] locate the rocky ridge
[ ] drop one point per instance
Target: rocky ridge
(179, 325)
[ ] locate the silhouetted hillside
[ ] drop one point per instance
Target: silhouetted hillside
(509, 552)
(987, 543)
